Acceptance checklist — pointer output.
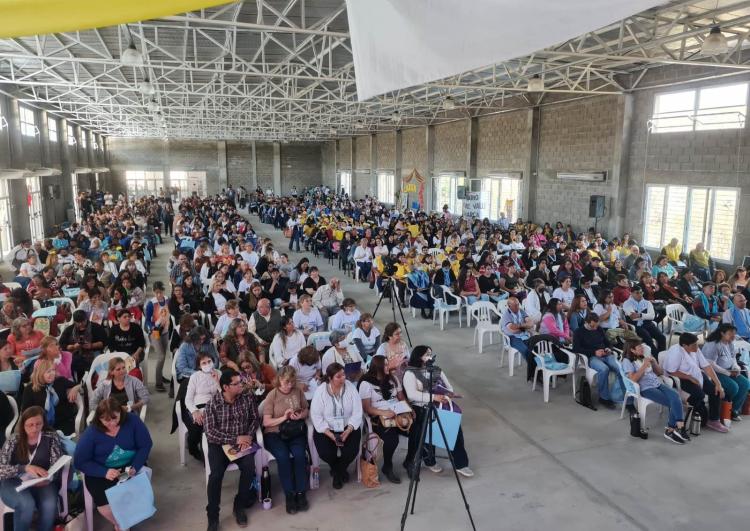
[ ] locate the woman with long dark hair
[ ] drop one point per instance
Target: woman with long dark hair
(416, 386)
(720, 352)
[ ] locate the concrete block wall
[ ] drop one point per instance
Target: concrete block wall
(503, 143)
(240, 164)
(300, 166)
(328, 163)
(344, 154)
(386, 150)
(362, 166)
(413, 151)
(577, 136)
(451, 146)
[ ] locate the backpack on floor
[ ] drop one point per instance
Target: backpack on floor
(583, 394)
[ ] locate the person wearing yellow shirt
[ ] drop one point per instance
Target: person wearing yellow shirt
(413, 230)
(672, 251)
(700, 262)
(402, 269)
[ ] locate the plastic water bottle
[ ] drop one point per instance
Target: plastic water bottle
(315, 481)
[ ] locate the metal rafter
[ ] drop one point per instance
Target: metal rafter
(283, 70)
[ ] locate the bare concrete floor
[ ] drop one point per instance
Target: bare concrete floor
(538, 466)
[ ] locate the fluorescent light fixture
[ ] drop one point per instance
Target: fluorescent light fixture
(716, 43)
(449, 103)
(396, 116)
(146, 87)
(536, 84)
(131, 57)
(152, 106)
(334, 131)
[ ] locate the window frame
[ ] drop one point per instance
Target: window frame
(695, 113)
(389, 181)
(27, 118)
(348, 187)
(52, 132)
(708, 218)
(71, 136)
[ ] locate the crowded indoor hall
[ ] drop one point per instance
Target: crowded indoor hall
(242, 246)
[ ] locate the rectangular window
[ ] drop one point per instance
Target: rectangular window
(52, 129)
(345, 182)
(28, 121)
(84, 141)
(71, 136)
(6, 219)
(36, 215)
(184, 184)
(386, 187)
(692, 215)
(722, 107)
(74, 186)
(445, 188)
(143, 183)
(502, 194)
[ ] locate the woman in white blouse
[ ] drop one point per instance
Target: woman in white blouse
(336, 413)
(286, 343)
(416, 383)
(307, 318)
(394, 349)
(610, 317)
(366, 336)
(565, 293)
(202, 385)
(363, 258)
(343, 353)
(346, 318)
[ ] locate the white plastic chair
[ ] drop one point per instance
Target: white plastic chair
(542, 349)
(62, 493)
(12, 424)
(483, 312)
(513, 354)
(676, 317)
(633, 389)
(502, 305)
(435, 251)
(319, 340)
(444, 307)
(329, 324)
(12, 285)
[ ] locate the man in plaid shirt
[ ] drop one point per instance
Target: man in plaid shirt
(230, 417)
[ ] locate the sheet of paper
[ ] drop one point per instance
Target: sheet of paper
(59, 464)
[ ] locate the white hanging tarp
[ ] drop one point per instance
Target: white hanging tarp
(402, 43)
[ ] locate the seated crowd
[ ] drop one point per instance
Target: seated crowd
(265, 349)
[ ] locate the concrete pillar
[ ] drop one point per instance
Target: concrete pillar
(14, 130)
(44, 150)
(353, 179)
(621, 166)
(277, 168)
(165, 163)
(530, 174)
(221, 148)
(471, 147)
(253, 168)
(373, 165)
(399, 159)
(430, 143)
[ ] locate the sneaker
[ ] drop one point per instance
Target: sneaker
(671, 435)
(682, 434)
(466, 472)
(736, 417)
(435, 468)
(717, 426)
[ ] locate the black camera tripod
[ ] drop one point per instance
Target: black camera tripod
(389, 287)
(416, 465)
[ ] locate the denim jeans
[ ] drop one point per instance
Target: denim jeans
(364, 270)
(735, 389)
(294, 240)
(42, 500)
(292, 468)
(666, 396)
(218, 462)
(520, 345)
(602, 366)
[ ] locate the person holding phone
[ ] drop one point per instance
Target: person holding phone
(284, 407)
(336, 413)
(591, 341)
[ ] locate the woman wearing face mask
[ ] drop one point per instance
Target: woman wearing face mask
(416, 386)
(343, 353)
(202, 385)
(286, 343)
(31, 451)
(60, 412)
(366, 336)
(346, 318)
(128, 390)
(395, 350)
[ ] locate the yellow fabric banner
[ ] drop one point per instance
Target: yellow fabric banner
(20, 18)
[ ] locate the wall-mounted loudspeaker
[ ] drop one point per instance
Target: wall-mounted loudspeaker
(596, 206)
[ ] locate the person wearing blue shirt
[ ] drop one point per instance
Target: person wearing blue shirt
(739, 316)
(198, 340)
(591, 341)
(516, 324)
(114, 442)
